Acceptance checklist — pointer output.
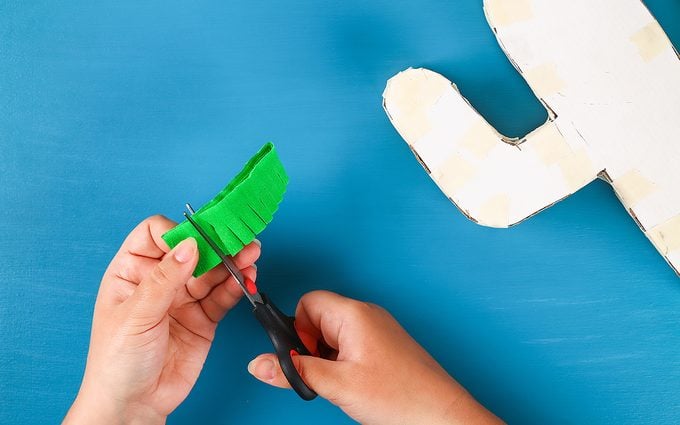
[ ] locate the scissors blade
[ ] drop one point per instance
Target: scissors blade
(228, 262)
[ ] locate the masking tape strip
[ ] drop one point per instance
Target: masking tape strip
(479, 139)
(577, 169)
(495, 212)
(408, 98)
(666, 236)
(504, 12)
(544, 80)
(453, 174)
(548, 144)
(650, 41)
(632, 187)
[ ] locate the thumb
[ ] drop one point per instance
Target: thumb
(154, 295)
(326, 377)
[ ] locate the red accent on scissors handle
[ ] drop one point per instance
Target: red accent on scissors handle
(250, 286)
(286, 341)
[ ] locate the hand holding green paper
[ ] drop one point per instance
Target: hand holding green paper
(152, 328)
(154, 324)
(239, 212)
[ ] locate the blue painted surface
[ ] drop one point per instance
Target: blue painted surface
(113, 111)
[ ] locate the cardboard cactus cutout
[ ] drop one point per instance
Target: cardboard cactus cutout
(610, 80)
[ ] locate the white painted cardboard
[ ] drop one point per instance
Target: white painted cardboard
(610, 79)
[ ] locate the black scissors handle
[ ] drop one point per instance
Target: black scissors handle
(279, 327)
(286, 342)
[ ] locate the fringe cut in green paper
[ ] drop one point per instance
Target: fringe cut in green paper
(239, 212)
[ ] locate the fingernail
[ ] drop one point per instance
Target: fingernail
(257, 241)
(185, 251)
(262, 369)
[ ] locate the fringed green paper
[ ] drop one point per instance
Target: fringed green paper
(239, 212)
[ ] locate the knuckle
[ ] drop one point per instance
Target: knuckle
(378, 310)
(373, 307)
(161, 275)
(222, 297)
(316, 294)
(125, 269)
(358, 310)
(156, 218)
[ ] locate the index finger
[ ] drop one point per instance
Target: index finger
(323, 314)
(145, 240)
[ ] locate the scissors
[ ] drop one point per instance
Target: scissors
(279, 327)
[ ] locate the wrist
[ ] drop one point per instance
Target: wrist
(451, 404)
(92, 406)
(462, 408)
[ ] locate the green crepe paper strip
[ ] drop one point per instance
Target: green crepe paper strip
(239, 212)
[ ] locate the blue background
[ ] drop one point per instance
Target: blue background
(113, 111)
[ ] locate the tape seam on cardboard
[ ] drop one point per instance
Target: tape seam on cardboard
(650, 41)
(503, 12)
(544, 79)
(632, 187)
(495, 212)
(454, 173)
(666, 236)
